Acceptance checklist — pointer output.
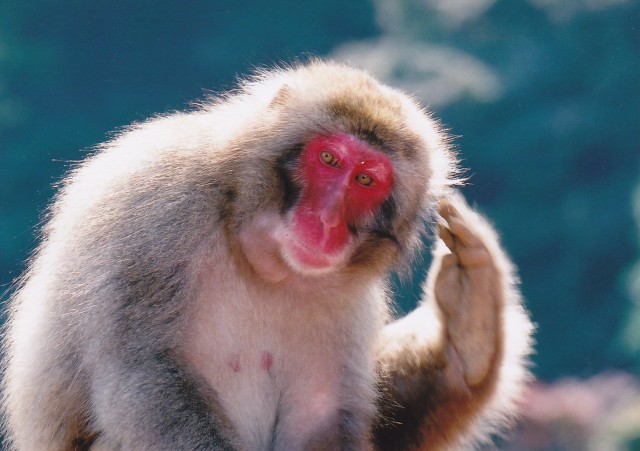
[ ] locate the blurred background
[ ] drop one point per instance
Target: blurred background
(543, 97)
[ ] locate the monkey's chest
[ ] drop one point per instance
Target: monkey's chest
(278, 403)
(278, 379)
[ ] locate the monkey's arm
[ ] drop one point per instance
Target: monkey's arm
(144, 399)
(456, 364)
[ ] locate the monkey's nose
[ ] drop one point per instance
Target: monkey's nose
(332, 215)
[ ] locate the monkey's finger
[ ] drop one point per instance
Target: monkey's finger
(462, 232)
(474, 256)
(446, 236)
(446, 208)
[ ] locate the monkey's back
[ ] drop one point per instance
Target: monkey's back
(114, 234)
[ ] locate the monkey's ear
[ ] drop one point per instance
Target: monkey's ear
(283, 94)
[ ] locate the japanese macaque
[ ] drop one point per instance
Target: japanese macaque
(218, 279)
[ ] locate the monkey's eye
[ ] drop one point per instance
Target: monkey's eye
(329, 158)
(364, 179)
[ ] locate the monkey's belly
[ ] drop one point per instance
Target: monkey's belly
(268, 416)
(273, 402)
(276, 378)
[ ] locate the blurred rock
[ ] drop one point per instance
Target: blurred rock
(597, 414)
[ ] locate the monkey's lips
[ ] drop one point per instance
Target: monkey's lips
(314, 244)
(306, 258)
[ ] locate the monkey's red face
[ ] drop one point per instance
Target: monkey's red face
(343, 181)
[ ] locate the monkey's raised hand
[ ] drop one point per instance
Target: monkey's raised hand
(469, 328)
(469, 290)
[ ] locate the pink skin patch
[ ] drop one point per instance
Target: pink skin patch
(234, 363)
(266, 361)
(344, 180)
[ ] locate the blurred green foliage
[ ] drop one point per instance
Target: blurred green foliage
(543, 96)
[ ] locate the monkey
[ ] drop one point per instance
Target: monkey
(219, 279)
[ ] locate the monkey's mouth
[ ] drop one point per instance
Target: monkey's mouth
(305, 258)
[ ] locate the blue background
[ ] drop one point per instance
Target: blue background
(543, 97)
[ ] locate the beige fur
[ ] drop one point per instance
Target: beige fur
(160, 312)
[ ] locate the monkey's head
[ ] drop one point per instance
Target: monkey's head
(344, 171)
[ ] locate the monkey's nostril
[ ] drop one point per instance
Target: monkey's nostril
(331, 217)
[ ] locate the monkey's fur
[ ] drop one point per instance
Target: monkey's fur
(142, 323)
